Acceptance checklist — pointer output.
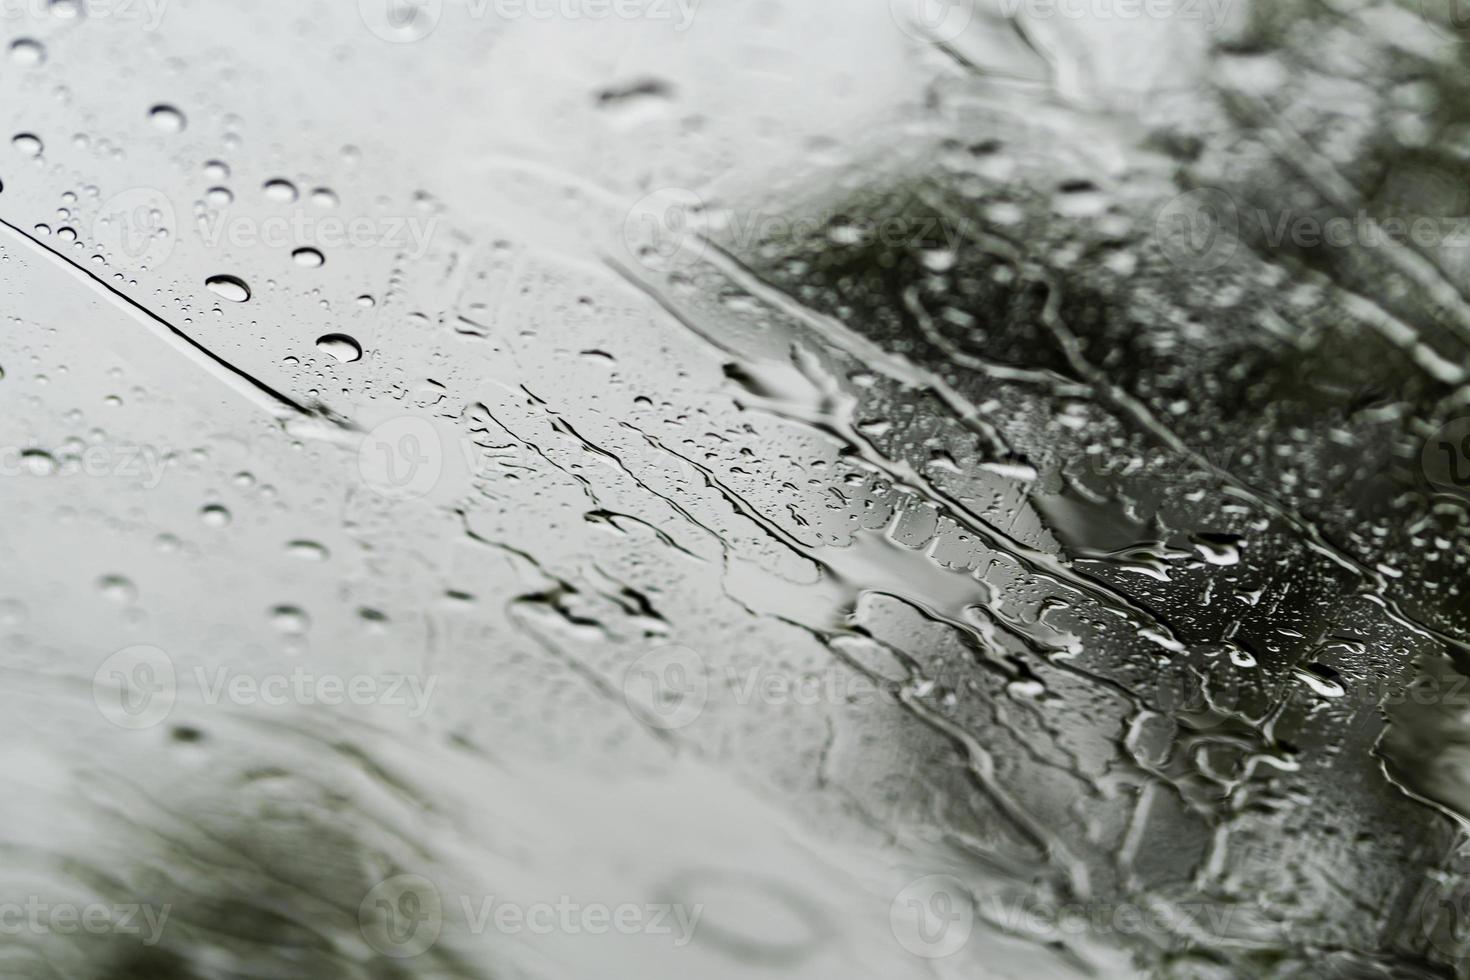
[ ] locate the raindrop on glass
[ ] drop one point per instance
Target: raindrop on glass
(167, 119)
(281, 191)
(229, 287)
(27, 53)
(215, 515)
(340, 346)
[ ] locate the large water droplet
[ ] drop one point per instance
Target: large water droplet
(340, 346)
(38, 462)
(215, 515)
(281, 191)
(309, 257)
(229, 287)
(28, 143)
(167, 118)
(27, 53)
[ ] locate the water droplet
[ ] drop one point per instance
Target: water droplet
(28, 143)
(281, 191)
(38, 462)
(340, 346)
(309, 257)
(66, 9)
(27, 53)
(1322, 679)
(289, 619)
(219, 197)
(324, 197)
(167, 119)
(229, 287)
(366, 302)
(117, 588)
(215, 515)
(307, 551)
(217, 170)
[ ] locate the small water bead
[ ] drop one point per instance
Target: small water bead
(117, 588)
(215, 515)
(281, 191)
(366, 302)
(66, 9)
(27, 53)
(340, 346)
(310, 258)
(307, 550)
(217, 170)
(289, 619)
(167, 119)
(229, 287)
(219, 197)
(28, 143)
(324, 197)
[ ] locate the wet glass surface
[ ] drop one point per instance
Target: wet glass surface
(668, 488)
